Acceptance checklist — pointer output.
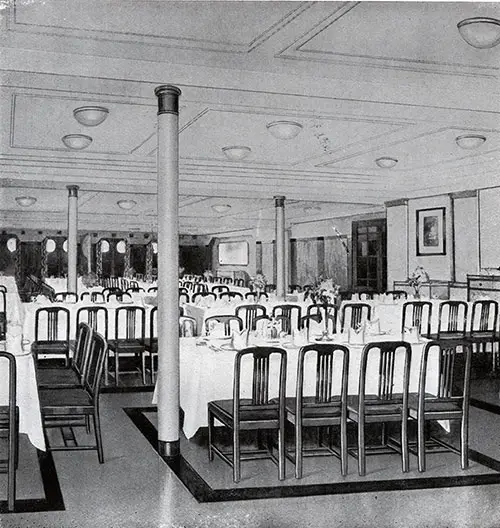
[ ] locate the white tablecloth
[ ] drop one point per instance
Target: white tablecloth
(30, 421)
(207, 375)
(15, 309)
(31, 308)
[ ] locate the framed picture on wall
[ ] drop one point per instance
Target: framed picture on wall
(431, 231)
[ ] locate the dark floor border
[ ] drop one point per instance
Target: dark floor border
(53, 500)
(124, 389)
(485, 405)
(202, 491)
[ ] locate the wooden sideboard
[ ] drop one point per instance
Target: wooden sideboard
(480, 286)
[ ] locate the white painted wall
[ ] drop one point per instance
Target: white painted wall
(489, 223)
(397, 244)
(467, 237)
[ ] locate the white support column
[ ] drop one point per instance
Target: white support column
(281, 280)
(72, 285)
(168, 271)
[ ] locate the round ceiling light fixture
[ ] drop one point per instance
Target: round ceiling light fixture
(126, 204)
(77, 141)
(221, 208)
(284, 129)
(237, 152)
(90, 115)
(480, 32)
(25, 201)
(470, 141)
(385, 162)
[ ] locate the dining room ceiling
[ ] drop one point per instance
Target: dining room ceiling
(366, 80)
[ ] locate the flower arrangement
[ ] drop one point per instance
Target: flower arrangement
(259, 282)
(418, 277)
(90, 280)
(323, 291)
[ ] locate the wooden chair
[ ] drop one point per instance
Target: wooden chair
(203, 294)
(57, 378)
(452, 322)
(120, 296)
(220, 288)
(451, 401)
(260, 412)
(151, 346)
(187, 327)
(52, 326)
(326, 408)
(291, 313)
(397, 294)
(130, 324)
(256, 296)
(417, 314)
(484, 329)
(67, 297)
(95, 297)
(231, 295)
(3, 315)
(327, 313)
(96, 317)
(9, 423)
(135, 289)
(248, 312)
(354, 314)
(239, 282)
(384, 405)
(74, 407)
(199, 288)
(230, 322)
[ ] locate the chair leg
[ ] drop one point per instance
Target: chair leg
(236, 455)
(87, 424)
(421, 444)
(404, 446)
(117, 368)
(361, 449)
(11, 485)
(464, 443)
(143, 370)
(281, 452)
(344, 457)
(210, 435)
(98, 439)
(298, 452)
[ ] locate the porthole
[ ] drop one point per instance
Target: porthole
(50, 245)
(12, 244)
(104, 246)
(121, 246)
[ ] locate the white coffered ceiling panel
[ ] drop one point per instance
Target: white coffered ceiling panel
(364, 80)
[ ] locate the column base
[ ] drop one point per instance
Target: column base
(169, 451)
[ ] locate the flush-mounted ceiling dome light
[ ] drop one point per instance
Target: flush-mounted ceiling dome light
(221, 208)
(480, 32)
(284, 129)
(77, 141)
(90, 115)
(126, 204)
(385, 162)
(470, 141)
(236, 153)
(25, 201)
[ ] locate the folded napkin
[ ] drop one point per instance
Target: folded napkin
(216, 329)
(240, 339)
(357, 336)
(355, 297)
(261, 327)
(411, 334)
(300, 337)
(373, 327)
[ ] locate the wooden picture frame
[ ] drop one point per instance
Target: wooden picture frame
(431, 231)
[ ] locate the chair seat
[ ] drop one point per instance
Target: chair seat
(50, 377)
(151, 344)
(375, 407)
(265, 416)
(65, 401)
(314, 413)
(50, 347)
(128, 346)
(433, 406)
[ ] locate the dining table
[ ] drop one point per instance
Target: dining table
(207, 366)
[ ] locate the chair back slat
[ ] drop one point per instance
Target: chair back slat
(484, 316)
(417, 314)
(130, 320)
(96, 317)
(248, 313)
(452, 317)
(52, 324)
(83, 337)
(96, 357)
(357, 313)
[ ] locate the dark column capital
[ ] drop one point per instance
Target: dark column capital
(168, 99)
(279, 201)
(72, 190)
